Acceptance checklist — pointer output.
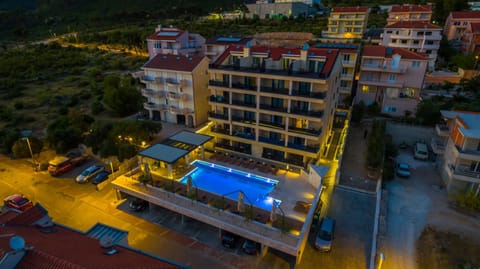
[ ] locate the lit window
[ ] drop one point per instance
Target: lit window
(365, 88)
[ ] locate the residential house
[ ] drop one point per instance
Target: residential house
(456, 25)
(174, 41)
(415, 36)
(176, 88)
(391, 77)
(274, 103)
(471, 39)
(347, 22)
(418, 13)
(458, 144)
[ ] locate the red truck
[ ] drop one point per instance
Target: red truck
(62, 164)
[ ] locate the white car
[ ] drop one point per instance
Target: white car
(89, 173)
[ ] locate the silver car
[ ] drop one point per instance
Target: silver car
(89, 173)
(324, 238)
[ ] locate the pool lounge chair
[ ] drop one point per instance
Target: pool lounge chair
(301, 206)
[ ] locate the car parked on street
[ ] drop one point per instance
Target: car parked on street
(420, 151)
(229, 240)
(89, 173)
(18, 202)
(250, 247)
(324, 238)
(100, 177)
(403, 170)
(138, 205)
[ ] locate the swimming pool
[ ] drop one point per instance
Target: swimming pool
(225, 181)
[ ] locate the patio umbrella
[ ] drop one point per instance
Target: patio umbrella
(241, 202)
(189, 184)
(273, 213)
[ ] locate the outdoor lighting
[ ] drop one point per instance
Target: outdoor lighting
(25, 135)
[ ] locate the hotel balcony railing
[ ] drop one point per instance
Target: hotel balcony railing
(437, 146)
(348, 62)
(173, 95)
(218, 99)
(465, 172)
(278, 72)
(268, 155)
(159, 80)
(274, 108)
(382, 68)
(271, 124)
(234, 148)
(152, 93)
(271, 141)
(244, 135)
(313, 149)
(243, 86)
(379, 82)
(274, 90)
(243, 120)
(310, 113)
(217, 116)
(146, 79)
(442, 130)
(220, 130)
(242, 103)
(152, 106)
(218, 83)
(305, 131)
(317, 95)
(295, 162)
(469, 154)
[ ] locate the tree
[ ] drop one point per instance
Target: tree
(20, 148)
(428, 112)
(121, 95)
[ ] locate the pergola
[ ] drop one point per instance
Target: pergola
(176, 147)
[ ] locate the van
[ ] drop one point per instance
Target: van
(324, 238)
(420, 151)
(59, 165)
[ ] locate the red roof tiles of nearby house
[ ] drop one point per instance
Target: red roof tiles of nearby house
(411, 8)
(413, 25)
(465, 14)
(381, 51)
(174, 62)
(166, 34)
(475, 27)
(27, 217)
(349, 9)
(54, 249)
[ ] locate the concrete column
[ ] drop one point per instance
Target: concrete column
(150, 114)
(298, 259)
(202, 150)
(170, 170)
(187, 158)
(263, 250)
(183, 219)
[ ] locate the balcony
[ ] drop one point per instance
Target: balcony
(271, 141)
(270, 156)
(219, 130)
(244, 135)
(243, 120)
(218, 99)
(437, 146)
(346, 76)
(273, 108)
(151, 93)
(467, 154)
(309, 148)
(383, 68)
(159, 80)
(242, 86)
(217, 116)
(152, 106)
(348, 63)
(218, 83)
(244, 104)
(174, 83)
(173, 95)
(305, 131)
(271, 124)
(384, 83)
(309, 94)
(240, 149)
(274, 90)
(175, 110)
(275, 72)
(309, 113)
(146, 79)
(345, 89)
(464, 173)
(442, 130)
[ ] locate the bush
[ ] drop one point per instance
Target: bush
(388, 170)
(18, 105)
(97, 107)
(468, 200)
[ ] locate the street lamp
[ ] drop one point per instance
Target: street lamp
(476, 61)
(25, 135)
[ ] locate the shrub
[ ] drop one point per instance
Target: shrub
(18, 105)
(468, 200)
(97, 107)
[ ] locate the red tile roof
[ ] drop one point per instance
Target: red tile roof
(67, 248)
(411, 8)
(27, 217)
(381, 51)
(413, 25)
(475, 27)
(7, 216)
(174, 62)
(465, 14)
(350, 9)
(167, 31)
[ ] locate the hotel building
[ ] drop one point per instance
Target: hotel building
(347, 22)
(402, 13)
(174, 41)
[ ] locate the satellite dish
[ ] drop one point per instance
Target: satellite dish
(106, 242)
(17, 242)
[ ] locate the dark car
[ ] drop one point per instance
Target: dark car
(101, 177)
(250, 247)
(138, 205)
(324, 238)
(229, 240)
(403, 170)
(18, 202)
(89, 173)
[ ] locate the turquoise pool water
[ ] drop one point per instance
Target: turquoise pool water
(228, 182)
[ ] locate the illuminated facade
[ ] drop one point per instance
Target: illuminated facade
(347, 22)
(174, 41)
(402, 13)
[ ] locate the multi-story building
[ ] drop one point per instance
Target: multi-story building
(347, 22)
(174, 41)
(415, 36)
(214, 47)
(471, 39)
(459, 140)
(349, 56)
(176, 88)
(278, 10)
(274, 103)
(420, 13)
(391, 77)
(457, 22)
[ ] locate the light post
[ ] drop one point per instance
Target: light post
(25, 135)
(476, 61)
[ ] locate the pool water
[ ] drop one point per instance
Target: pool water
(228, 182)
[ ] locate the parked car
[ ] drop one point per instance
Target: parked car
(403, 170)
(324, 238)
(229, 240)
(62, 164)
(100, 177)
(420, 151)
(250, 247)
(18, 202)
(89, 173)
(138, 205)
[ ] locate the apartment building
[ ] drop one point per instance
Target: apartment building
(176, 88)
(416, 36)
(391, 77)
(347, 22)
(417, 13)
(278, 10)
(471, 39)
(274, 103)
(459, 137)
(174, 41)
(215, 46)
(348, 55)
(457, 22)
